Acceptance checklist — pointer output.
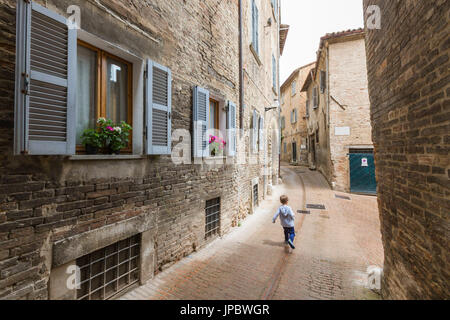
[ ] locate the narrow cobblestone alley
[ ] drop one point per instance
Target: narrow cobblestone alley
(334, 248)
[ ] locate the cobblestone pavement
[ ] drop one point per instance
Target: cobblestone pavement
(334, 248)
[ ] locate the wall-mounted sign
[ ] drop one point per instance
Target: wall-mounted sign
(364, 162)
(342, 131)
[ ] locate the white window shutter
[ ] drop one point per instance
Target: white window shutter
(201, 122)
(231, 129)
(261, 133)
(45, 82)
(158, 109)
(255, 131)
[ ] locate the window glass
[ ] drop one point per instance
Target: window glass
(116, 90)
(86, 92)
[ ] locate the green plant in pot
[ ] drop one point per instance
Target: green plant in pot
(115, 136)
(92, 141)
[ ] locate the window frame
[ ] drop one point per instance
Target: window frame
(100, 104)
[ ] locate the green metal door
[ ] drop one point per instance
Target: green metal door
(362, 173)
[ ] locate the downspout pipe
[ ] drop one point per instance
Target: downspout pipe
(241, 70)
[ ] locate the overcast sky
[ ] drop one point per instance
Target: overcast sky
(309, 20)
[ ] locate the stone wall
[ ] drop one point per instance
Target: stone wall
(343, 104)
(295, 132)
(348, 85)
(409, 86)
(45, 199)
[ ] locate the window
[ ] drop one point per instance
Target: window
(282, 98)
(315, 98)
(214, 114)
(293, 88)
(214, 121)
(323, 82)
(104, 85)
(294, 116)
(107, 271)
(255, 27)
(283, 122)
(210, 118)
(68, 84)
(307, 108)
(317, 135)
(212, 217)
(285, 147)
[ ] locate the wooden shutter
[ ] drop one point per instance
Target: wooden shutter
(261, 133)
(158, 109)
(201, 122)
(254, 131)
(45, 82)
(231, 129)
(255, 23)
(323, 83)
(274, 72)
(307, 108)
(315, 98)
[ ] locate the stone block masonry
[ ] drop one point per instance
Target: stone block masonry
(409, 85)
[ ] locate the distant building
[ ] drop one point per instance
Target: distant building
(338, 112)
(293, 117)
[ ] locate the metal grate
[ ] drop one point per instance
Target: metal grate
(212, 217)
(315, 206)
(342, 197)
(255, 195)
(107, 271)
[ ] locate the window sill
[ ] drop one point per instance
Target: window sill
(106, 157)
(258, 60)
(216, 158)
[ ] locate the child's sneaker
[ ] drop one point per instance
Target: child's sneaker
(291, 244)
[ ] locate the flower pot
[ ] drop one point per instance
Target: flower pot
(90, 149)
(111, 151)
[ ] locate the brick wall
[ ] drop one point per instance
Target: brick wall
(48, 198)
(409, 86)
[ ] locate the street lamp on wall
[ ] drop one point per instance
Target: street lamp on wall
(276, 105)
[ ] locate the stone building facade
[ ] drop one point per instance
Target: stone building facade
(338, 110)
(153, 64)
(293, 117)
(409, 85)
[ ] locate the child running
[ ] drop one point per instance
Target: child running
(287, 218)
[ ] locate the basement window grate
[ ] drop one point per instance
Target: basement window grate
(255, 195)
(212, 217)
(110, 270)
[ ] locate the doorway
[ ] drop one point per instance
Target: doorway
(294, 152)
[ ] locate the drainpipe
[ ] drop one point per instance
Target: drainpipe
(241, 70)
(279, 91)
